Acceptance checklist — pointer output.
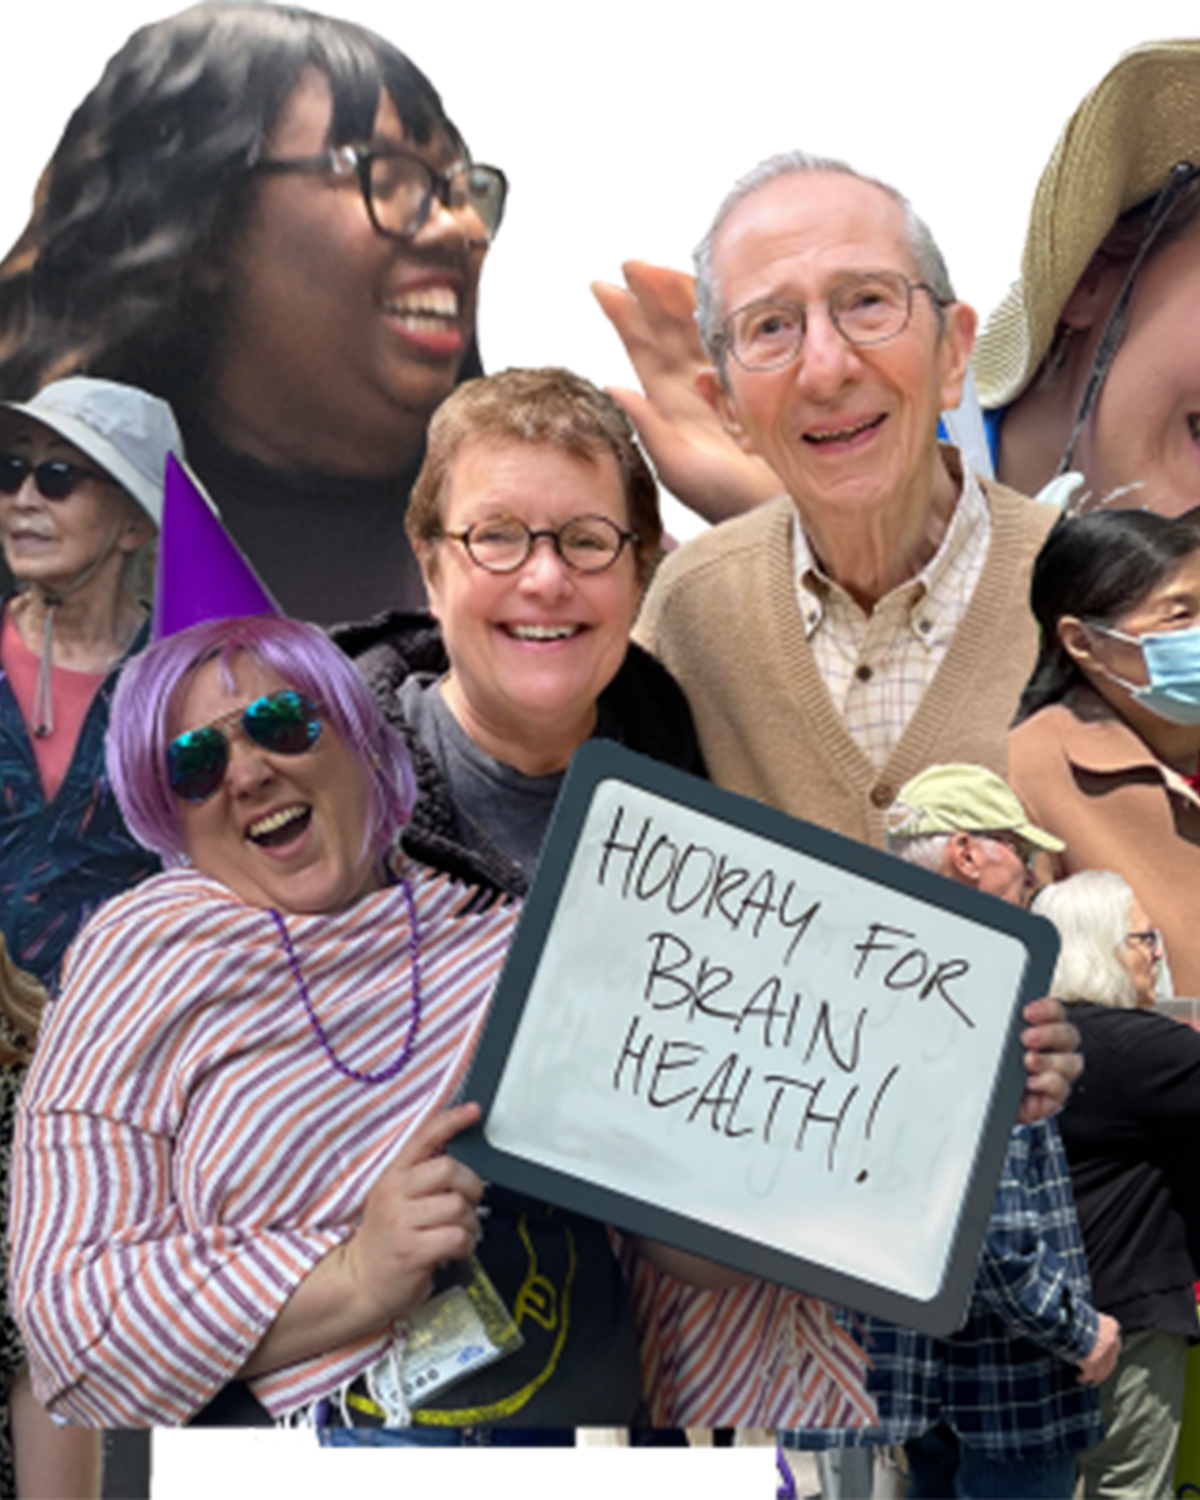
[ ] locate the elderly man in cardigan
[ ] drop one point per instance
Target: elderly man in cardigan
(872, 620)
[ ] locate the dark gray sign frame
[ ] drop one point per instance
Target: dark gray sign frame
(599, 762)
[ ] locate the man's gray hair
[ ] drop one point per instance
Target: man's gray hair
(928, 259)
(927, 849)
(1091, 912)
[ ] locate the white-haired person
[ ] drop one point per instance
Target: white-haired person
(1088, 365)
(1132, 1131)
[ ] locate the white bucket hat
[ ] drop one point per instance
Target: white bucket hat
(127, 432)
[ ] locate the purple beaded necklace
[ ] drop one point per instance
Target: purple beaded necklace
(319, 1032)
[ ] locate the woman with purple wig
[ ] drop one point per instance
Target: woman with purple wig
(230, 1195)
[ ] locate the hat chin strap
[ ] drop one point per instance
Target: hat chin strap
(43, 696)
(1114, 327)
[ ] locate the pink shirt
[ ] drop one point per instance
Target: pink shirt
(72, 696)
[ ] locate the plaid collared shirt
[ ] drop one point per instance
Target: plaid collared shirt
(1006, 1382)
(877, 666)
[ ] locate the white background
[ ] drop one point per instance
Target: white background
(620, 124)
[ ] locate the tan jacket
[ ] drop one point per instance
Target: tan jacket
(722, 616)
(1085, 775)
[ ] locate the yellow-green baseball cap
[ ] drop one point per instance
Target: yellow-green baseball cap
(959, 798)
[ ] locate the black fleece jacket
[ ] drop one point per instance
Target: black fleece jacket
(643, 700)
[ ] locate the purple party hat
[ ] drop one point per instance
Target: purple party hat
(201, 573)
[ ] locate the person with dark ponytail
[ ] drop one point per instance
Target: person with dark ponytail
(1106, 750)
(265, 217)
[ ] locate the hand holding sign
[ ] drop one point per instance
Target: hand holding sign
(420, 1212)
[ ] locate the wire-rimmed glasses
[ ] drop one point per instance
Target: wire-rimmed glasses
(865, 310)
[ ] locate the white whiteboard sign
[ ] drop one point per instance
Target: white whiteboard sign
(749, 1037)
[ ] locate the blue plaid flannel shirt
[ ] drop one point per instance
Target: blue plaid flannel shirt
(1006, 1382)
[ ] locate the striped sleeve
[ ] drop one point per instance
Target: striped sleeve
(131, 1314)
(131, 1317)
(754, 1355)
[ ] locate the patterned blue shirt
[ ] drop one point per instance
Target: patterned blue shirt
(59, 860)
(1007, 1381)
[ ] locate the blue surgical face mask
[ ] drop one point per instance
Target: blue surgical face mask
(1172, 660)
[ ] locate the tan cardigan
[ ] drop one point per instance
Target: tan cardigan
(1086, 776)
(722, 616)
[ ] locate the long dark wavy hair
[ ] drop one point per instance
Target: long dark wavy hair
(1097, 566)
(112, 275)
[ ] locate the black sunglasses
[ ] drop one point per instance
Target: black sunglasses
(55, 477)
(285, 723)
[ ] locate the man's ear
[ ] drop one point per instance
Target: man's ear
(957, 341)
(963, 859)
(716, 393)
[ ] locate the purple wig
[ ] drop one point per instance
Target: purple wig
(304, 657)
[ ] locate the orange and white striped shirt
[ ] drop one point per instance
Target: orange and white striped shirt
(185, 1150)
(754, 1355)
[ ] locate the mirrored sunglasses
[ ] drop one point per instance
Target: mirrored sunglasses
(285, 723)
(55, 478)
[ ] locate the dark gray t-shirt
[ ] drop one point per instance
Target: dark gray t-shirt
(567, 1259)
(493, 803)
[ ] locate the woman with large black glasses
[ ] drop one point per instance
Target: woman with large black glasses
(266, 217)
(81, 477)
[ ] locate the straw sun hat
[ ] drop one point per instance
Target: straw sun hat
(1116, 152)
